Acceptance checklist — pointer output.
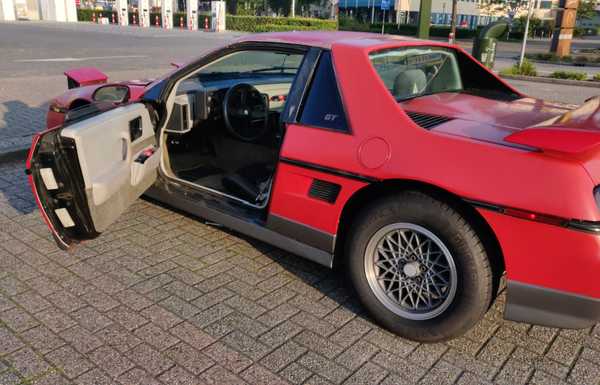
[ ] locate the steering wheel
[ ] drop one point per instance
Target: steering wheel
(246, 112)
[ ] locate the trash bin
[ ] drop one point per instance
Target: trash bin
(484, 44)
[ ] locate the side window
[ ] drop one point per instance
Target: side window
(323, 105)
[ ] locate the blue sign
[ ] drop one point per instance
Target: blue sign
(385, 5)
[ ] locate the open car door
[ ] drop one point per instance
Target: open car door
(86, 174)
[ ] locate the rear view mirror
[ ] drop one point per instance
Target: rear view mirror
(112, 93)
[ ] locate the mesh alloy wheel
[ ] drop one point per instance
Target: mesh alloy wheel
(410, 271)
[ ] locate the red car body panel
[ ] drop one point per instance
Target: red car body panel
(547, 255)
(86, 76)
(525, 181)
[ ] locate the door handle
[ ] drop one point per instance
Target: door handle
(135, 128)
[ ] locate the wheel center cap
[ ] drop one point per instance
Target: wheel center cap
(412, 269)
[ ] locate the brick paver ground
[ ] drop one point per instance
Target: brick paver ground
(164, 299)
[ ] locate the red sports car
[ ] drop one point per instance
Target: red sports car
(405, 161)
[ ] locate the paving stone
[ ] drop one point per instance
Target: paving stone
(9, 378)
(399, 366)
(161, 317)
(324, 367)
(318, 344)
(94, 377)
(236, 321)
(81, 339)
(357, 354)
(542, 378)
(126, 317)
(227, 357)
(295, 374)
(100, 301)
(283, 355)
(31, 302)
(51, 378)
(563, 350)
(278, 315)
(27, 363)
(584, 373)
(66, 301)
(441, 373)
(514, 372)
(117, 337)
(41, 339)
(91, 319)
(211, 315)
(189, 358)
(5, 303)
(133, 300)
(149, 359)
(427, 355)
(282, 333)
(192, 335)
(246, 345)
(257, 374)
(314, 324)
(462, 360)
(180, 307)
(350, 333)
(496, 351)
(391, 343)
(69, 361)
(367, 374)
(18, 320)
(137, 376)
(178, 376)
(218, 375)
(110, 361)
(155, 336)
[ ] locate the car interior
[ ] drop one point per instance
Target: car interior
(224, 132)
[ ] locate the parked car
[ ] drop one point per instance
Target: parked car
(405, 162)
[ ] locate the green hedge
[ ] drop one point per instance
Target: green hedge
(266, 23)
(407, 29)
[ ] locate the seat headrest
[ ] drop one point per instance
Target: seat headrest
(409, 82)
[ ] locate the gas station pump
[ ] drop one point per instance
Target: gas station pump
(217, 16)
(192, 14)
(167, 14)
(144, 12)
(122, 12)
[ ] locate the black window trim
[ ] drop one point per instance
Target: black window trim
(348, 130)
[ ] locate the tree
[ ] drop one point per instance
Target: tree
(586, 9)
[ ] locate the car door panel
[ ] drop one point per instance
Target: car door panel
(107, 156)
(85, 175)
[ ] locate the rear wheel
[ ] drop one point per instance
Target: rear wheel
(419, 267)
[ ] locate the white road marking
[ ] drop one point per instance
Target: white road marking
(65, 59)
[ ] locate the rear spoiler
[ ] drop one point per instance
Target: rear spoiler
(557, 139)
(85, 76)
(575, 132)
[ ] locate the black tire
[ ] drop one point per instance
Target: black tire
(473, 271)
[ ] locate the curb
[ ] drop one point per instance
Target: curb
(543, 79)
(14, 154)
(571, 64)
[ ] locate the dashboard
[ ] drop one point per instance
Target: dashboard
(199, 99)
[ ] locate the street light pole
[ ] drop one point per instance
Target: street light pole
(293, 9)
(453, 20)
(522, 55)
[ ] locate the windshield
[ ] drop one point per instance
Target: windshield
(254, 62)
(410, 72)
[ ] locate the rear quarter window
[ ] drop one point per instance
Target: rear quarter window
(323, 105)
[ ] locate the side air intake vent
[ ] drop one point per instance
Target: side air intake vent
(323, 190)
(427, 121)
